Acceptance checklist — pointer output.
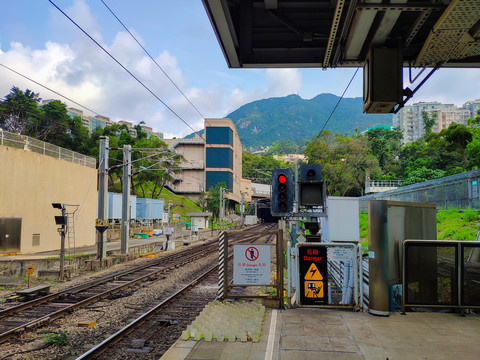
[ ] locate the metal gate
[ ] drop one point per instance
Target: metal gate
(225, 273)
(441, 274)
(327, 275)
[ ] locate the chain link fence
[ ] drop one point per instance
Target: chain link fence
(455, 191)
(40, 147)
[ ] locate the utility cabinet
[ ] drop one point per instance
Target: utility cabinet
(390, 223)
(342, 220)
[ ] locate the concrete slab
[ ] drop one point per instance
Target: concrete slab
(318, 334)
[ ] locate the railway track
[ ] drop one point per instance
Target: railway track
(37, 313)
(31, 314)
(153, 332)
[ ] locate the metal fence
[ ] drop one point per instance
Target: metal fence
(455, 191)
(40, 147)
(441, 274)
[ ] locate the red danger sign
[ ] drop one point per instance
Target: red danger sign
(251, 253)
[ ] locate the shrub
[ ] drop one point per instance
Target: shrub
(470, 215)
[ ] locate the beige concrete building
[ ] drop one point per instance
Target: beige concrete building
(190, 180)
(410, 118)
(290, 157)
(223, 156)
(216, 157)
(32, 178)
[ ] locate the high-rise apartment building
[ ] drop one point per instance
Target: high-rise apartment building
(410, 118)
(92, 123)
(473, 106)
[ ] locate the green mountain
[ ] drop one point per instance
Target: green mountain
(262, 122)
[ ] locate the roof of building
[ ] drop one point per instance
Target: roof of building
(199, 214)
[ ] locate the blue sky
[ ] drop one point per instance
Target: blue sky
(38, 41)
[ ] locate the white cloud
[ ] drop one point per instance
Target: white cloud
(95, 81)
(283, 82)
(449, 86)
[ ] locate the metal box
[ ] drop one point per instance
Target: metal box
(342, 220)
(115, 206)
(390, 223)
(382, 80)
(157, 209)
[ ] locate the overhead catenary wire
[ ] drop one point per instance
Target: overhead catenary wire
(135, 77)
(49, 89)
(151, 57)
(124, 68)
(338, 102)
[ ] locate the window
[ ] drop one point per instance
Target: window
(219, 135)
(215, 177)
(219, 158)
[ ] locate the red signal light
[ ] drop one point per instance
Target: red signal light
(282, 179)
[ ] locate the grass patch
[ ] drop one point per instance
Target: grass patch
(363, 222)
(58, 339)
(180, 204)
(452, 224)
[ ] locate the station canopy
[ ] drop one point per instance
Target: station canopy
(340, 33)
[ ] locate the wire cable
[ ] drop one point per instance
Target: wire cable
(338, 102)
(136, 78)
(151, 57)
(45, 87)
(123, 67)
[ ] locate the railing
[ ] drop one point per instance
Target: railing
(384, 183)
(172, 143)
(192, 164)
(260, 193)
(40, 147)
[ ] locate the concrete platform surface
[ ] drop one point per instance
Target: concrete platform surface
(308, 334)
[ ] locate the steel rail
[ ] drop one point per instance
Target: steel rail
(105, 344)
(92, 283)
(56, 314)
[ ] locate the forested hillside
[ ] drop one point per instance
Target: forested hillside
(262, 122)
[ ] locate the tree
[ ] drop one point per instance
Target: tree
(79, 137)
(258, 167)
(428, 122)
(282, 147)
(54, 126)
(202, 200)
(445, 151)
(19, 111)
(473, 122)
(422, 174)
(213, 198)
(153, 168)
(385, 145)
(140, 133)
(344, 161)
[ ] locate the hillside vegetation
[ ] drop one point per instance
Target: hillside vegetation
(262, 122)
(452, 224)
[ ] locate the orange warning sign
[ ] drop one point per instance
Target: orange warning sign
(314, 289)
(313, 273)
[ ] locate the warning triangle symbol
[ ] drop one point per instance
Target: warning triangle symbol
(313, 273)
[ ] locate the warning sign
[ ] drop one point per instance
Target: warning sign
(314, 289)
(313, 275)
(252, 253)
(251, 265)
